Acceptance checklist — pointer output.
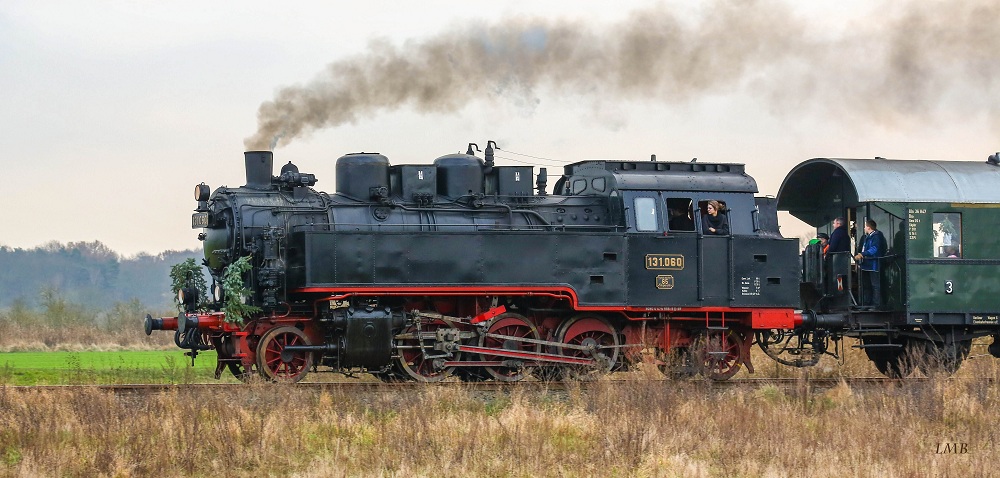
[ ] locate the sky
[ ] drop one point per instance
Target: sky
(113, 111)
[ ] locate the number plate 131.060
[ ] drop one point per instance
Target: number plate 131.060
(665, 261)
(199, 219)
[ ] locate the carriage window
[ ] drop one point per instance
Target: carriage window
(645, 214)
(948, 235)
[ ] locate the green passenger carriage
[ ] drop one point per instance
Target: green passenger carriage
(940, 271)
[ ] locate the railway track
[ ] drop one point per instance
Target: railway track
(357, 386)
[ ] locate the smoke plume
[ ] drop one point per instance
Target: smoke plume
(913, 59)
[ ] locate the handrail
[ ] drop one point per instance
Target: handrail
(477, 227)
(879, 264)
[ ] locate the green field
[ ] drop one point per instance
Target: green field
(70, 368)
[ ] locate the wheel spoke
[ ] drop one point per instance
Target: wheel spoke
(269, 355)
(590, 331)
(411, 363)
(719, 354)
(514, 326)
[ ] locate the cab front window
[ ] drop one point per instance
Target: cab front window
(645, 214)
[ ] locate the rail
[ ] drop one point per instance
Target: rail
(356, 384)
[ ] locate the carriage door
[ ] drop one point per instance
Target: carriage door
(714, 257)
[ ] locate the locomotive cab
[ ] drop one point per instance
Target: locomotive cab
(673, 263)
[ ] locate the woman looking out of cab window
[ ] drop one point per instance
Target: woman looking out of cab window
(715, 221)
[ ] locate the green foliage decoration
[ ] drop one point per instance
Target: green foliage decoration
(185, 273)
(235, 291)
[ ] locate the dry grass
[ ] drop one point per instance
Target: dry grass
(633, 428)
(66, 326)
(78, 338)
(855, 364)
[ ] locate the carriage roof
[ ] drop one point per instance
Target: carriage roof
(816, 185)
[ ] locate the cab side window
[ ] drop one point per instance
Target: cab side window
(645, 215)
(681, 216)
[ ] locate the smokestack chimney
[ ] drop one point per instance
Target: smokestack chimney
(259, 168)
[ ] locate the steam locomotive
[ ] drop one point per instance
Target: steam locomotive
(465, 268)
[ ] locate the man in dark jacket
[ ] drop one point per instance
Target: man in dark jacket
(839, 239)
(873, 248)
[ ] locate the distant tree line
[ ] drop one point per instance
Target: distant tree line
(85, 273)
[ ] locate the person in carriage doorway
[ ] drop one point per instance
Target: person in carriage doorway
(823, 239)
(715, 220)
(873, 248)
(840, 241)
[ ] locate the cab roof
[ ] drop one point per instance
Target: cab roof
(667, 176)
